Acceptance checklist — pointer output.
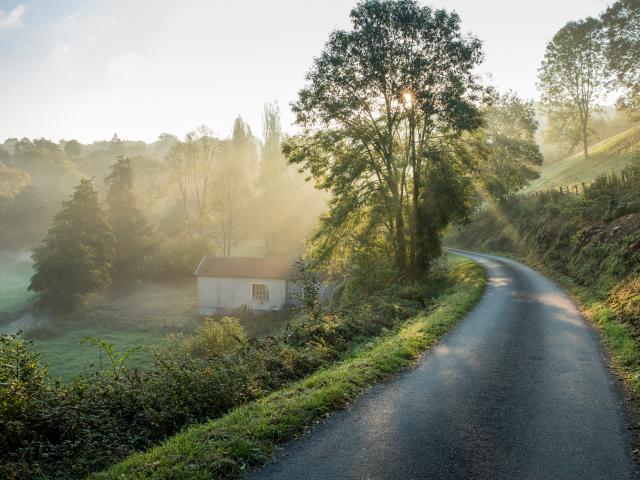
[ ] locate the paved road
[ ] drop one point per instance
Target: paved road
(518, 391)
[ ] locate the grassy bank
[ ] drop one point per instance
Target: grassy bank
(248, 436)
(611, 154)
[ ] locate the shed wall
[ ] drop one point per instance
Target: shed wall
(216, 294)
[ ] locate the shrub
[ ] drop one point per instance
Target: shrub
(214, 338)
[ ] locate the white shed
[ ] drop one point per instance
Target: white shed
(242, 282)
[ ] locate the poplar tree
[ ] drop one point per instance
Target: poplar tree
(131, 232)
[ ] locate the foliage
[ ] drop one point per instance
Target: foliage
(75, 258)
(383, 115)
(564, 128)
(276, 185)
(131, 233)
(177, 257)
(622, 26)
(573, 77)
(191, 167)
(12, 180)
(72, 148)
(211, 339)
(232, 188)
(26, 216)
(308, 293)
(116, 359)
(513, 157)
(591, 238)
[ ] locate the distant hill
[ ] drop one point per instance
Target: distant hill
(611, 154)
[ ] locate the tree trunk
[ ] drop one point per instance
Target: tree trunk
(585, 135)
(401, 247)
(585, 142)
(419, 260)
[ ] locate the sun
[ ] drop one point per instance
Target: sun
(407, 97)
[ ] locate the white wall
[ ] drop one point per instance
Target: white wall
(216, 294)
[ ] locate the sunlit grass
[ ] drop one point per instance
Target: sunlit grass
(611, 154)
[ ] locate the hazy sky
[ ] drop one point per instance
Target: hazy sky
(88, 68)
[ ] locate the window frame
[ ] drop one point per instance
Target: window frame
(259, 292)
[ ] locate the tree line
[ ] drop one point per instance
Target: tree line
(155, 218)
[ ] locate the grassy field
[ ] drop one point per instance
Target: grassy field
(137, 317)
(247, 437)
(15, 272)
(609, 155)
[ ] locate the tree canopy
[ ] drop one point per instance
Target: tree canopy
(573, 76)
(75, 258)
(512, 156)
(384, 116)
(622, 27)
(131, 232)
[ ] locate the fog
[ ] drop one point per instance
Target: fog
(252, 204)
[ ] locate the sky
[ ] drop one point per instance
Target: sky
(87, 69)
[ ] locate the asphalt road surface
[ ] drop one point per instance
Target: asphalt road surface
(520, 390)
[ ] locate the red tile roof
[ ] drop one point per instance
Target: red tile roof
(246, 267)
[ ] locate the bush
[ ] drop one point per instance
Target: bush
(211, 339)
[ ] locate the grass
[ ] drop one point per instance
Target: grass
(68, 357)
(136, 317)
(249, 435)
(612, 154)
(619, 338)
(15, 272)
(139, 316)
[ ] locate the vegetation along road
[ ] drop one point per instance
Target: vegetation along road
(519, 390)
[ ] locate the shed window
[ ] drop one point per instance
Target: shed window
(259, 292)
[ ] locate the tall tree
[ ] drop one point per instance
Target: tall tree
(191, 167)
(513, 157)
(385, 106)
(622, 27)
(274, 181)
(75, 257)
(232, 188)
(572, 77)
(131, 232)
